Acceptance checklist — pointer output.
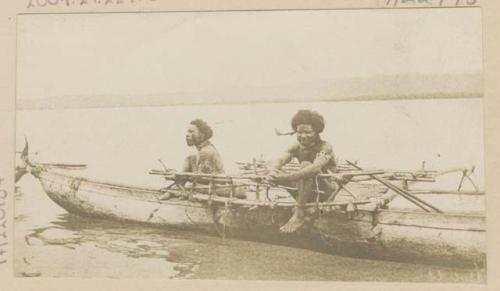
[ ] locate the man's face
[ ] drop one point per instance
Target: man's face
(193, 136)
(306, 136)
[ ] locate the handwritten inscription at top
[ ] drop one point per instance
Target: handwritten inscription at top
(438, 3)
(387, 3)
(76, 3)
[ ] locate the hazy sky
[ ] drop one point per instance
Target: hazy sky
(122, 144)
(156, 53)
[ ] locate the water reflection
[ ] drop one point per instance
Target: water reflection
(179, 250)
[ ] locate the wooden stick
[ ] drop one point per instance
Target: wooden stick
(69, 166)
(444, 192)
(202, 175)
(245, 202)
(415, 200)
(337, 191)
(391, 177)
(354, 173)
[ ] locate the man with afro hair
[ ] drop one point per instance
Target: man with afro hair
(314, 155)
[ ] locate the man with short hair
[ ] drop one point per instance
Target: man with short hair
(315, 157)
(207, 160)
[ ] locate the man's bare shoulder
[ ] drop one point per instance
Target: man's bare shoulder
(326, 147)
(293, 149)
(208, 151)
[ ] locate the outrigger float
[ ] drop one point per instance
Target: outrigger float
(356, 220)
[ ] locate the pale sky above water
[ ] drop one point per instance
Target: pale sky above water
(208, 55)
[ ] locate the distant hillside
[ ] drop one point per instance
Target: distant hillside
(376, 88)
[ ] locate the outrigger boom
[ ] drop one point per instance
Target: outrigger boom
(412, 198)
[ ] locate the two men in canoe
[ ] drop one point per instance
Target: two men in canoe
(314, 155)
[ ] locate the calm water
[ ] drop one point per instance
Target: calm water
(123, 144)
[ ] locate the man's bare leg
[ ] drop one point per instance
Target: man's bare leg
(305, 189)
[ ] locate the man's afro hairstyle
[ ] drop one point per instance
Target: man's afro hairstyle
(309, 117)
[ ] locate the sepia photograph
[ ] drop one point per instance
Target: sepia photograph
(304, 145)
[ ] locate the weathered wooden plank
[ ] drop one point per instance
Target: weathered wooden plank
(463, 222)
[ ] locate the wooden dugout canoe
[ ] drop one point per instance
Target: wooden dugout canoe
(403, 235)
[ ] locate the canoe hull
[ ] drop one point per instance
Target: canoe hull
(450, 239)
(386, 234)
(102, 200)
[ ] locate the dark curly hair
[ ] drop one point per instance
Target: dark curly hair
(308, 117)
(203, 127)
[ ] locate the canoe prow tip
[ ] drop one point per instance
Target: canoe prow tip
(26, 165)
(25, 152)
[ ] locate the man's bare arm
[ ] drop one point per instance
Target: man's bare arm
(311, 170)
(281, 161)
(187, 164)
